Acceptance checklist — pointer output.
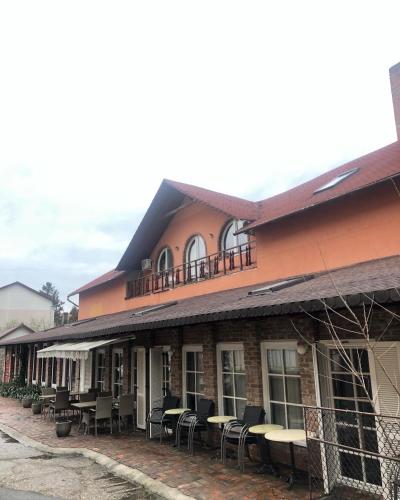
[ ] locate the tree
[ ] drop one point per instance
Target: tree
(73, 315)
(49, 289)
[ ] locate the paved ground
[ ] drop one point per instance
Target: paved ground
(29, 474)
(200, 476)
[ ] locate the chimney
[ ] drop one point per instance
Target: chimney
(394, 72)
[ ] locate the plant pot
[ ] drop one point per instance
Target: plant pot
(63, 428)
(36, 408)
(26, 402)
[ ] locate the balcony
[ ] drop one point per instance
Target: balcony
(212, 266)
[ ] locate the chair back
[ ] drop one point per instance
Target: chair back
(253, 415)
(126, 404)
(104, 394)
(103, 407)
(48, 391)
(94, 390)
(86, 397)
(205, 409)
(62, 400)
(62, 388)
(170, 402)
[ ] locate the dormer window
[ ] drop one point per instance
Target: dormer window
(165, 260)
(337, 180)
(229, 239)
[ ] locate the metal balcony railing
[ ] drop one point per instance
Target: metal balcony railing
(225, 262)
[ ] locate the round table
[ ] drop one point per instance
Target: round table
(176, 411)
(260, 431)
(288, 436)
(220, 419)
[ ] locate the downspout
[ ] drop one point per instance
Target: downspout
(73, 303)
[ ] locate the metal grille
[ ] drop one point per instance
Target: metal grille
(352, 455)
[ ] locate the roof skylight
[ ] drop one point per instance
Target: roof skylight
(339, 178)
(279, 285)
(153, 309)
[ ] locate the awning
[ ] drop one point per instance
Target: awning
(73, 350)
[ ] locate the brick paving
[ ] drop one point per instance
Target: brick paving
(201, 476)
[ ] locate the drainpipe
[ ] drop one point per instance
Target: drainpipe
(73, 303)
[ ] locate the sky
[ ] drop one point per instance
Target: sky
(99, 101)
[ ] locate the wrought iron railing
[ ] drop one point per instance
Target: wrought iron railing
(352, 454)
(215, 265)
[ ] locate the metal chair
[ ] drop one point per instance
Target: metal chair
(62, 388)
(104, 394)
(236, 433)
(46, 391)
(126, 408)
(61, 403)
(194, 422)
(103, 411)
(157, 415)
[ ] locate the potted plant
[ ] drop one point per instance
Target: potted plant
(36, 405)
(27, 402)
(63, 427)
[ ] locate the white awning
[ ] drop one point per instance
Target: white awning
(73, 350)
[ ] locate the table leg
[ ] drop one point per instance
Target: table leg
(267, 465)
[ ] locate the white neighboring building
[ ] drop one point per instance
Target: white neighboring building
(16, 332)
(21, 304)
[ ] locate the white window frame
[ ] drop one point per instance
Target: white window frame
(236, 346)
(185, 349)
(117, 350)
(44, 367)
(279, 345)
(99, 351)
(238, 224)
(195, 239)
(54, 386)
(165, 250)
(34, 362)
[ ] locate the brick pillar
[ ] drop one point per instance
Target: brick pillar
(210, 365)
(29, 367)
(48, 372)
(126, 363)
(108, 369)
(176, 341)
(7, 364)
(252, 363)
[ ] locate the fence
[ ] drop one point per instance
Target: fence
(352, 454)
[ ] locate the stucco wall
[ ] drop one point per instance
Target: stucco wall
(20, 305)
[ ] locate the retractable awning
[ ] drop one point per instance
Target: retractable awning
(73, 350)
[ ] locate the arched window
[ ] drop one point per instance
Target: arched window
(164, 261)
(228, 239)
(196, 249)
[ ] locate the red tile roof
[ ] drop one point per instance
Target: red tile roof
(104, 278)
(231, 205)
(372, 168)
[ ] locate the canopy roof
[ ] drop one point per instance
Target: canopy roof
(72, 350)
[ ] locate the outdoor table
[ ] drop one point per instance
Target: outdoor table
(220, 420)
(263, 445)
(87, 405)
(47, 397)
(288, 436)
(176, 412)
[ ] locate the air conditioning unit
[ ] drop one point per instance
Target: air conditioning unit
(146, 264)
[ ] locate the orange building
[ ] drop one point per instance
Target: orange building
(231, 301)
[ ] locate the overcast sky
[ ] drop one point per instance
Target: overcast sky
(99, 101)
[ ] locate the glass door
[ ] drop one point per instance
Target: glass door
(118, 372)
(351, 390)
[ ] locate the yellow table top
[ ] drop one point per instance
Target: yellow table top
(286, 435)
(264, 428)
(47, 396)
(220, 419)
(177, 411)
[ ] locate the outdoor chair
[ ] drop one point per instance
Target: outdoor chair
(61, 403)
(46, 391)
(236, 433)
(125, 409)
(62, 388)
(157, 416)
(87, 396)
(194, 422)
(94, 390)
(103, 412)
